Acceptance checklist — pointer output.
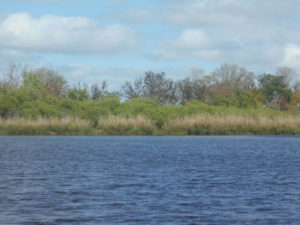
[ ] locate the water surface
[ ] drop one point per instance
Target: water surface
(149, 180)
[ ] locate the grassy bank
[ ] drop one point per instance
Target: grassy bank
(41, 126)
(232, 125)
(120, 125)
(228, 101)
(112, 125)
(199, 124)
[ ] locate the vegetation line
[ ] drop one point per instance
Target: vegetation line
(119, 125)
(228, 101)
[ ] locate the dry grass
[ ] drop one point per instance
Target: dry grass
(203, 124)
(113, 125)
(42, 126)
(232, 124)
(120, 125)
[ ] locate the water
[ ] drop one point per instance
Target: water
(149, 180)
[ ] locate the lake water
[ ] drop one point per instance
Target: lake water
(149, 180)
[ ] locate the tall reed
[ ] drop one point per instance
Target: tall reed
(232, 125)
(202, 124)
(42, 126)
(121, 125)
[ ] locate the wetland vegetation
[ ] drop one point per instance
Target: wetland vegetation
(228, 101)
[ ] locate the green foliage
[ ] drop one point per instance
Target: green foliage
(78, 94)
(229, 90)
(32, 80)
(8, 106)
(273, 86)
(135, 106)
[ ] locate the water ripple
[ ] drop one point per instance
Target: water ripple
(143, 180)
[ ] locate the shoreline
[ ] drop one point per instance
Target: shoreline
(237, 135)
(194, 125)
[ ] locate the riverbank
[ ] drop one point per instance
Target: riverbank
(200, 124)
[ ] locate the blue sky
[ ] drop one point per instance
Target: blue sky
(118, 40)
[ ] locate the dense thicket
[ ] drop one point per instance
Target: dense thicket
(36, 93)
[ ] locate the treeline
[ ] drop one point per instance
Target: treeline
(228, 92)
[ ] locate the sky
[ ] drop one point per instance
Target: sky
(118, 40)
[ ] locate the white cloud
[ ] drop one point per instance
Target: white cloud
(197, 44)
(292, 56)
(163, 53)
(193, 39)
(230, 12)
(251, 33)
(260, 20)
(57, 34)
(115, 76)
(249, 21)
(189, 43)
(13, 55)
(201, 12)
(131, 16)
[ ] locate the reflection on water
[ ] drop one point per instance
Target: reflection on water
(149, 180)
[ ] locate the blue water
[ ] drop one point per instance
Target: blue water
(149, 180)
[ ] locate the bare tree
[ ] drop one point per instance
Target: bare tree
(232, 77)
(134, 90)
(296, 87)
(11, 77)
(190, 89)
(287, 73)
(152, 85)
(185, 90)
(99, 91)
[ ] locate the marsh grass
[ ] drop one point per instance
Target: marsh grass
(42, 126)
(232, 125)
(121, 125)
(200, 124)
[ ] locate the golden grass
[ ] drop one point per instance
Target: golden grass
(43, 126)
(232, 124)
(120, 125)
(203, 124)
(112, 125)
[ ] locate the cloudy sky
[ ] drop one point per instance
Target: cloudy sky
(117, 40)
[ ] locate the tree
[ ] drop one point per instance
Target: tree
(154, 86)
(287, 73)
(203, 88)
(275, 89)
(79, 93)
(185, 91)
(98, 92)
(32, 80)
(232, 77)
(11, 79)
(296, 87)
(53, 83)
(192, 88)
(48, 82)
